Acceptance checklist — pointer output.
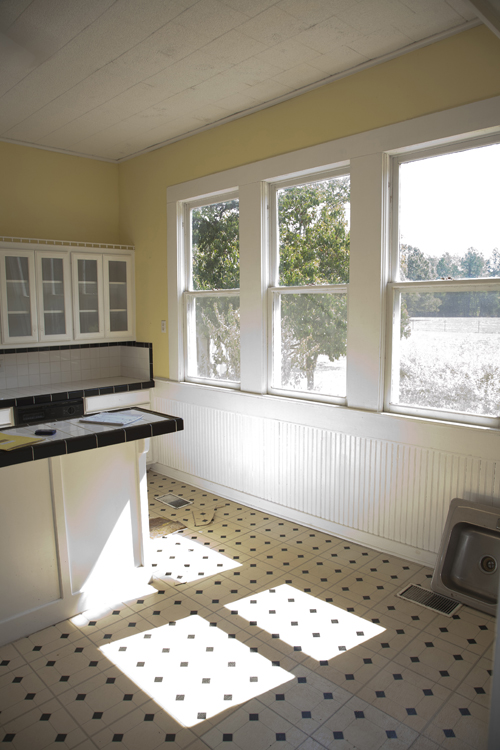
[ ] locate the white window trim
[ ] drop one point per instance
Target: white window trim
(368, 154)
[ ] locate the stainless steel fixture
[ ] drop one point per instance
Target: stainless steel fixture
(469, 555)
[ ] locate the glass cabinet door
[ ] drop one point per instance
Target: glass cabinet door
(18, 297)
(53, 296)
(117, 295)
(87, 285)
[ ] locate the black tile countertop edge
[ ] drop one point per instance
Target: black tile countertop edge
(65, 347)
(46, 398)
(97, 440)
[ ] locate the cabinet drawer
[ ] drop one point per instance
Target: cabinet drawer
(7, 417)
(116, 401)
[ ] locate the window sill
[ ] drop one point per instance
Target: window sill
(450, 437)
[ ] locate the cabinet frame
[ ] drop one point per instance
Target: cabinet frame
(128, 260)
(79, 334)
(68, 316)
(6, 337)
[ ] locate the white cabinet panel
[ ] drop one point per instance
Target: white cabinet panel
(117, 401)
(101, 515)
(7, 417)
(29, 576)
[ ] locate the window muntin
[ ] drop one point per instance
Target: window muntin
(309, 299)
(446, 304)
(212, 300)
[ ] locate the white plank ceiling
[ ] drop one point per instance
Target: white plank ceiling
(112, 78)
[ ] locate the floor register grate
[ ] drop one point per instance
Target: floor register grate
(173, 500)
(436, 602)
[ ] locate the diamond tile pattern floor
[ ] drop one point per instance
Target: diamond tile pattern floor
(236, 643)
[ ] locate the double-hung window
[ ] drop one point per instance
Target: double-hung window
(212, 297)
(308, 293)
(445, 302)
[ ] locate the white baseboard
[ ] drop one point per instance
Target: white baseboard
(134, 584)
(420, 557)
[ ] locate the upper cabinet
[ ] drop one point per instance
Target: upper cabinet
(62, 295)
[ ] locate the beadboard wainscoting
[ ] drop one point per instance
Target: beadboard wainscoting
(377, 479)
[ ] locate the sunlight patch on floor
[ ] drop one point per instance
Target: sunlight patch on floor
(319, 629)
(186, 561)
(193, 670)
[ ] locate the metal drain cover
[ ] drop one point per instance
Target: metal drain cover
(436, 602)
(173, 500)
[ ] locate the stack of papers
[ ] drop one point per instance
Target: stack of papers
(9, 442)
(112, 418)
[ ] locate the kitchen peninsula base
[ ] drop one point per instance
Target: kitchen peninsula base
(73, 528)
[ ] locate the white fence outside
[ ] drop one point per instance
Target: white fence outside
(456, 325)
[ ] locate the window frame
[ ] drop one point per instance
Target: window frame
(190, 295)
(395, 285)
(275, 291)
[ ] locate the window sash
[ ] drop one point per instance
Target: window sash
(274, 317)
(275, 291)
(189, 295)
(189, 206)
(416, 153)
(395, 289)
(190, 354)
(275, 187)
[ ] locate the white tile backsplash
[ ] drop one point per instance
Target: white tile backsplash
(69, 366)
(134, 361)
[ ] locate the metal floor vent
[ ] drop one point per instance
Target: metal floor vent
(173, 501)
(429, 600)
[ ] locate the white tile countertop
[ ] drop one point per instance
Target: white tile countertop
(73, 435)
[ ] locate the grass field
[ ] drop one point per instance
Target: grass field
(455, 369)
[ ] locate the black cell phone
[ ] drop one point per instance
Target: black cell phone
(45, 431)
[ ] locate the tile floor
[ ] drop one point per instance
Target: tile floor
(258, 633)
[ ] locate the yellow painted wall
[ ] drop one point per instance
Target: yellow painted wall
(47, 195)
(459, 70)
